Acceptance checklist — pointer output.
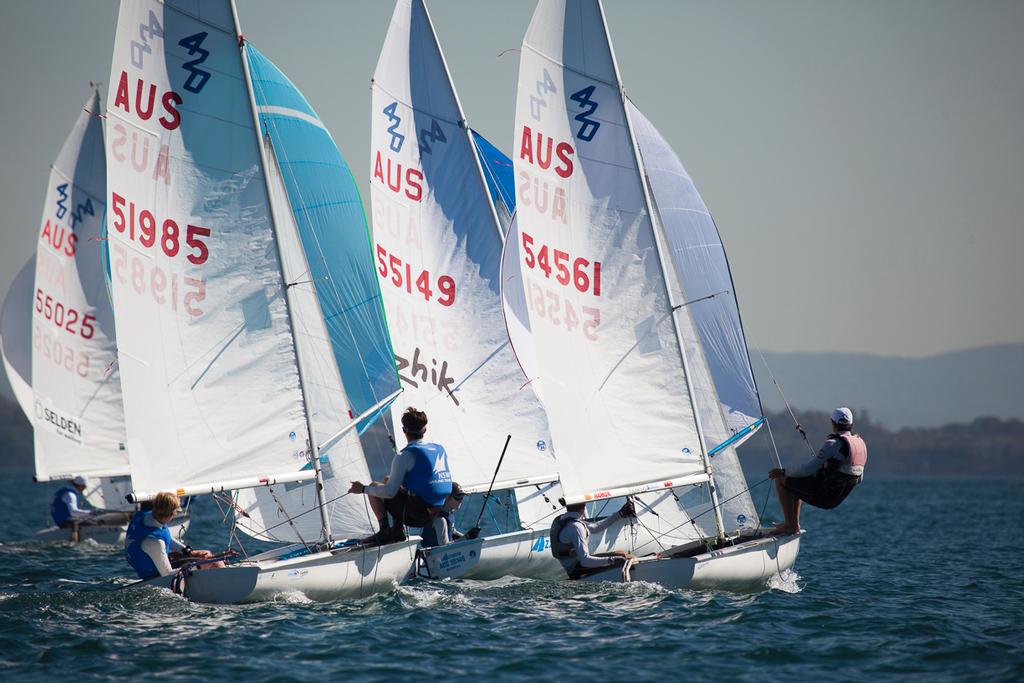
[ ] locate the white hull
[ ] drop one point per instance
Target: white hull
(345, 573)
(104, 534)
(526, 554)
(744, 566)
(523, 553)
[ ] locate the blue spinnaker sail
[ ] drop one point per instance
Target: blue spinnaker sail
(329, 216)
(499, 174)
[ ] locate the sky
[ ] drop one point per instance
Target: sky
(864, 161)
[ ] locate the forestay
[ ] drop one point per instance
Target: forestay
(607, 356)
(208, 364)
(77, 409)
(339, 326)
(434, 188)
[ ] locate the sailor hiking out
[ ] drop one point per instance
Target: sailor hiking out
(570, 540)
(149, 547)
(825, 480)
(417, 487)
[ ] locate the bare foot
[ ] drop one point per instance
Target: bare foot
(781, 530)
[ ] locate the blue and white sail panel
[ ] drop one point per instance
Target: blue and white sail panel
(209, 371)
(699, 259)
(499, 176)
(438, 250)
(16, 336)
(609, 365)
(329, 217)
(326, 399)
(78, 413)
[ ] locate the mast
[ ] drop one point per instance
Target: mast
(719, 524)
(325, 522)
(464, 124)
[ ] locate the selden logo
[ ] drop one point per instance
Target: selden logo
(68, 427)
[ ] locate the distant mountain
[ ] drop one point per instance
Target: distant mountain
(901, 392)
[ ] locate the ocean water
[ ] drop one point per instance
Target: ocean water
(907, 578)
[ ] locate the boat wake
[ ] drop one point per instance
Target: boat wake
(785, 582)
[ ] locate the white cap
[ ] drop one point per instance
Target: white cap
(842, 416)
(80, 481)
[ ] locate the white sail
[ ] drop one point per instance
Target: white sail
(609, 365)
(77, 406)
(343, 462)
(16, 336)
(438, 242)
(208, 363)
(715, 345)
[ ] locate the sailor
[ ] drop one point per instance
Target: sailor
(442, 531)
(826, 479)
(64, 508)
(570, 540)
(148, 544)
(417, 487)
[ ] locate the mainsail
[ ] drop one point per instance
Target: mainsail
(77, 411)
(441, 197)
(609, 362)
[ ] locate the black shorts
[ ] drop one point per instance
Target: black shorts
(822, 490)
(408, 509)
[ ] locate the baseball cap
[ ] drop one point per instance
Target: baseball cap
(79, 480)
(842, 416)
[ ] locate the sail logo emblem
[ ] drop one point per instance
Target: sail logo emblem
(292, 436)
(541, 445)
(397, 139)
(741, 520)
(443, 381)
(68, 427)
(541, 544)
(687, 451)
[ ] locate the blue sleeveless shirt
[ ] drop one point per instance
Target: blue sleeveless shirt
(59, 509)
(137, 532)
(429, 478)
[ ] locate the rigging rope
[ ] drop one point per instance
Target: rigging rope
(799, 427)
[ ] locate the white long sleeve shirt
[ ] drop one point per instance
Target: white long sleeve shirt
(154, 547)
(71, 499)
(577, 532)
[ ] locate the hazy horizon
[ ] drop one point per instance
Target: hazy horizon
(890, 130)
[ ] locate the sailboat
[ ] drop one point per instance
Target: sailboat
(59, 345)
(265, 352)
(442, 197)
(640, 357)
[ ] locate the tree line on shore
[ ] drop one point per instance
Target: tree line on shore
(984, 447)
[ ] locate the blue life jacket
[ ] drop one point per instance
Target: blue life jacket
(59, 509)
(429, 478)
(137, 532)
